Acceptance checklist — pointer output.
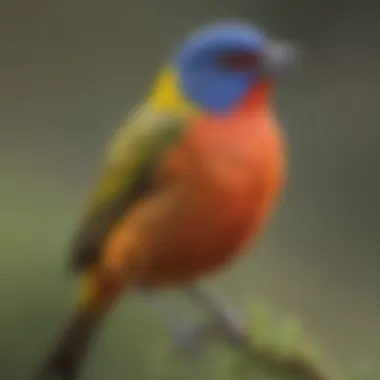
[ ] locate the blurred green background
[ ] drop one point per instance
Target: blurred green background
(70, 71)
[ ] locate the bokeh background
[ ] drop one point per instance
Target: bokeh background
(70, 71)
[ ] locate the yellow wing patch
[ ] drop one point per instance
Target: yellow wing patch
(166, 94)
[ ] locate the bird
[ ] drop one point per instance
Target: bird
(190, 178)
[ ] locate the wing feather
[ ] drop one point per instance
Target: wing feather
(131, 161)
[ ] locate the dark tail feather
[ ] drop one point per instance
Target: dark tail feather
(64, 363)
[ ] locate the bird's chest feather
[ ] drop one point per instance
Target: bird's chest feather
(224, 176)
(231, 166)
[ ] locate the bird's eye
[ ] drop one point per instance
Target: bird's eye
(239, 61)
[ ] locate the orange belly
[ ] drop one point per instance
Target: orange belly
(214, 192)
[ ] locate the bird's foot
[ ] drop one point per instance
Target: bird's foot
(221, 322)
(192, 337)
(225, 323)
(188, 336)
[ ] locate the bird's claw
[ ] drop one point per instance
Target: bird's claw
(192, 337)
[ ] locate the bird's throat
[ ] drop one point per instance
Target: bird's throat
(259, 95)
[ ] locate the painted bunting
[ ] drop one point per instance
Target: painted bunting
(190, 177)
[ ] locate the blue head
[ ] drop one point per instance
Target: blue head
(219, 64)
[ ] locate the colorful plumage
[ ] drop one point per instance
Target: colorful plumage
(191, 176)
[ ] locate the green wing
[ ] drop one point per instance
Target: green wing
(131, 161)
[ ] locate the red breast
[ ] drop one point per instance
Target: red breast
(228, 171)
